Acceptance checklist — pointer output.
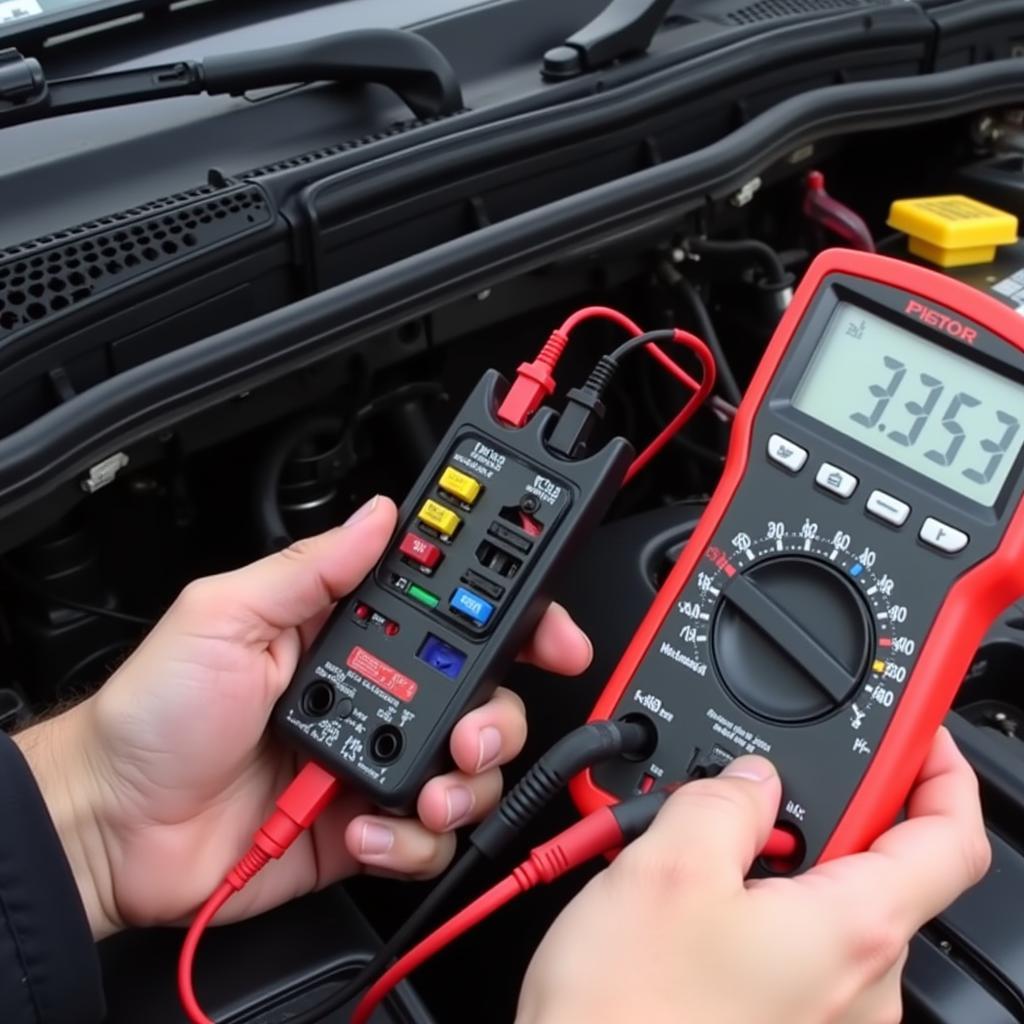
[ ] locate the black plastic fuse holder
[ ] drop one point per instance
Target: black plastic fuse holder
(492, 521)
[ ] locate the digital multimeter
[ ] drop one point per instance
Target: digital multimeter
(867, 529)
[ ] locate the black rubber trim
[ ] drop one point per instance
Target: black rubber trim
(159, 393)
(513, 132)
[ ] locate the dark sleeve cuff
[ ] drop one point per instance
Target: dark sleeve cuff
(49, 969)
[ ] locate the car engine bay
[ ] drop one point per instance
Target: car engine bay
(199, 380)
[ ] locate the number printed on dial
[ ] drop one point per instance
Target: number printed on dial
(935, 412)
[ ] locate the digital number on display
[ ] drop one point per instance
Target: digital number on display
(933, 411)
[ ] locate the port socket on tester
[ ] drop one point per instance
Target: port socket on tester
(499, 561)
(651, 742)
(386, 744)
(318, 699)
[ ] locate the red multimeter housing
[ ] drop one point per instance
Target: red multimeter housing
(867, 529)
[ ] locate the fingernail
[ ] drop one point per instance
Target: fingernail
(755, 769)
(489, 747)
(362, 512)
(460, 801)
(376, 839)
(590, 646)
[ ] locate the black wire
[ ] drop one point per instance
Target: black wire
(22, 580)
(751, 248)
(647, 338)
(406, 934)
(674, 280)
(97, 610)
(726, 378)
(680, 440)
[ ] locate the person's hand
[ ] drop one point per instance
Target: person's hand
(157, 783)
(671, 931)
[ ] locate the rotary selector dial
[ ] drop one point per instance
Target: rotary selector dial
(799, 621)
(791, 638)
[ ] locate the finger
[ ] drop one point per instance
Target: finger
(558, 644)
(290, 587)
(331, 856)
(455, 799)
(919, 867)
(399, 845)
(493, 734)
(714, 828)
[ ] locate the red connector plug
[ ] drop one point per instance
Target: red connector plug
(296, 809)
(534, 382)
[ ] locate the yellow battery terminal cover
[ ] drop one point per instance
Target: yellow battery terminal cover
(442, 519)
(953, 231)
(460, 485)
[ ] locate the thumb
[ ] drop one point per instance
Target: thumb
(720, 825)
(295, 584)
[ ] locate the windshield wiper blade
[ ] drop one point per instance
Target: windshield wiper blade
(408, 64)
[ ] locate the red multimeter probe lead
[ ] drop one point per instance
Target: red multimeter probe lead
(867, 529)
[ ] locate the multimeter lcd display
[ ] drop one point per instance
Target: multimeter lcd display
(935, 412)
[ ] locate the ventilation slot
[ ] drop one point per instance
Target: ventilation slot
(315, 155)
(44, 276)
(769, 10)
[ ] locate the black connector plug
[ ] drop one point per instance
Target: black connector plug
(584, 410)
(635, 815)
(582, 748)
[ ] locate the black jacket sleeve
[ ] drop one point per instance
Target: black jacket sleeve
(49, 970)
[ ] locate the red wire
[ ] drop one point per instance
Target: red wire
(701, 390)
(186, 992)
(481, 908)
(585, 839)
(599, 313)
(700, 393)
(295, 810)
(535, 381)
(599, 832)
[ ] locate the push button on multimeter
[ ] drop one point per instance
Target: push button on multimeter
(837, 481)
(886, 507)
(787, 454)
(940, 535)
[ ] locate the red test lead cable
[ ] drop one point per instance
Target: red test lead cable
(535, 381)
(696, 400)
(296, 809)
(600, 832)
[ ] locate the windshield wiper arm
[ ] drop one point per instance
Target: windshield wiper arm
(403, 61)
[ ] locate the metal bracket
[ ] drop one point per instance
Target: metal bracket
(104, 472)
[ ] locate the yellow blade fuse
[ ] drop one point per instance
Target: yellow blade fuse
(953, 231)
